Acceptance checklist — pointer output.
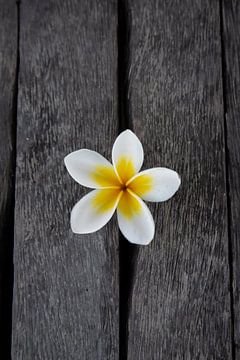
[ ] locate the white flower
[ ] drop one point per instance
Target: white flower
(119, 186)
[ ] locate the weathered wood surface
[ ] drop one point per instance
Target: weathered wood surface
(231, 61)
(66, 286)
(180, 303)
(66, 293)
(8, 63)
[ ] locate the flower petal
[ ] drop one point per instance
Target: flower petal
(127, 155)
(94, 210)
(134, 219)
(91, 169)
(157, 184)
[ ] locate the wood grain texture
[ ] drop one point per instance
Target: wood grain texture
(231, 53)
(8, 64)
(66, 286)
(180, 303)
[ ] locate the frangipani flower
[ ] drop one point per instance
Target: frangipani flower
(119, 187)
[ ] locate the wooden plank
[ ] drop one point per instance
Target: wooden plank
(66, 286)
(231, 49)
(180, 304)
(8, 65)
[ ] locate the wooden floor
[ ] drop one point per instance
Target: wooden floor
(73, 74)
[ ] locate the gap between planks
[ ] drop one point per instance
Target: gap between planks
(127, 251)
(229, 214)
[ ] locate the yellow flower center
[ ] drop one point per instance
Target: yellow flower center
(125, 169)
(120, 187)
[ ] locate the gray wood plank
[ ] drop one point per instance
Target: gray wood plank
(8, 65)
(231, 48)
(66, 286)
(180, 303)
